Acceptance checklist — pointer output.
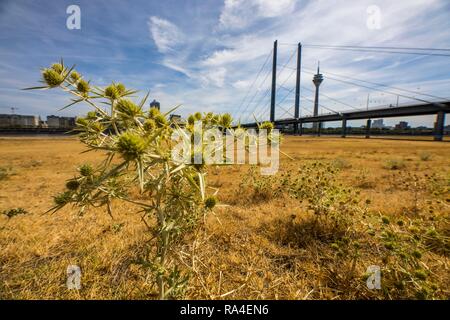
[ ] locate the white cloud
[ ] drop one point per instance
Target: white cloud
(165, 34)
(275, 8)
(238, 14)
(214, 76)
(241, 84)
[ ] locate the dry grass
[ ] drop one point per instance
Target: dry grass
(272, 248)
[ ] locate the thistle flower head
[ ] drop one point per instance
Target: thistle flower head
(72, 184)
(82, 122)
(420, 274)
(112, 92)
(266, 126)
(210, 202)
(91, 115)
(131, 146)
(128, 107)
(97, 127)
(83, 86)
(120, 88)
(160, 120)
(86, 170)
(58, 67)
(215, 119)
(52, 78)
(198, 116)
(63, 198)
(149, 125)
(225, 120)
(191, 119)
(75, 76)
(153, 112)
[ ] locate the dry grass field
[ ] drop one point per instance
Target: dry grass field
(389, 206)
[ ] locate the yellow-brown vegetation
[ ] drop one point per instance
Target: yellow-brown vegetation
(380, 202)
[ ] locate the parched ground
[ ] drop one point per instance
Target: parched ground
(260, 243)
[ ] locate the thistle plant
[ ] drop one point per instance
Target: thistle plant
(136, 144)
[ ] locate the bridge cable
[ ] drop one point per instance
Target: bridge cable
(251, 87)
(381, 85)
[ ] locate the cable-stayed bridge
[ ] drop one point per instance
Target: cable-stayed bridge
(261, 105)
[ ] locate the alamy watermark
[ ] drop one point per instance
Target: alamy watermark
(73, 21)
(73, 277)
(374, 279)
(373, 21)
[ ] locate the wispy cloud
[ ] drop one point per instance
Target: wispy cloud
(238, 14)
(166, 35)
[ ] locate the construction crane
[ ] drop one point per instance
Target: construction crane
(13, 109)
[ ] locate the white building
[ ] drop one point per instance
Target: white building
(18, 121)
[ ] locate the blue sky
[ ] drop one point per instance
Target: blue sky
(205, 54)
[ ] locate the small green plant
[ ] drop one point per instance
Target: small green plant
(425, 156)
(14, 212)
(394, 164)
(403, 272)
(4, 173)
(341, 163)
(255, 187)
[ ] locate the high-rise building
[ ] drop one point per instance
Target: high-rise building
(402, 125)
(155, 104)
(378, 124)
(60, 122)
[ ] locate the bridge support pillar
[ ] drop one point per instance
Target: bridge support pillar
(300, 128)
(368, 125)
(344, 128)
(439, 126)
(319, 128)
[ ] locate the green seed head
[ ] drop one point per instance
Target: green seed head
(52, 78)
(72, 185)
(191, 119)
(98, 127)
(266, 126)
(160, 120)
(131, 146)
(75, 76)
(128, 107)
(86, 170)
(82, 122)
(225, 120)
(149, 125)
(420, 274)
(112, 92)
(153, 113)
(198, 116)
(58, 67)
(417, 254)
(120, 88)
(83, 86)
(63, 198)
(91, 115)
(389, 245)
(210, 202)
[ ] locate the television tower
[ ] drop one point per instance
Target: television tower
(317, 80)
